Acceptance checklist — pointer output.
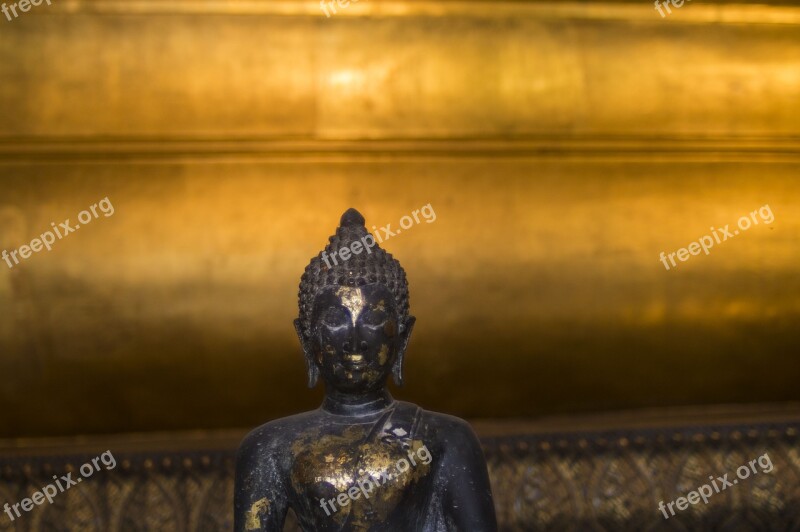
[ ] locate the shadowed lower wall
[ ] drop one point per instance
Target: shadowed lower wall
(562, 147)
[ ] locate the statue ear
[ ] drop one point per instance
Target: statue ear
(305, 344)
(405, 336)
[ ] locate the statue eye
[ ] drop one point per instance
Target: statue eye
(335, 318)
(375, 319)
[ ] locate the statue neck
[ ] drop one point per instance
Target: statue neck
(342, 404)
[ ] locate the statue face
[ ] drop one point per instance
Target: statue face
(356, 336)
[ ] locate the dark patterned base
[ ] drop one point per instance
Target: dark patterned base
(591, 479)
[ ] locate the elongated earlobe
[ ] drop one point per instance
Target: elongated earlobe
(397, 369)
(405, 336)
(311, 366)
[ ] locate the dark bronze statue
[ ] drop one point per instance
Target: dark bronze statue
(361, 461)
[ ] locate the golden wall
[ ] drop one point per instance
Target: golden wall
(562, 146)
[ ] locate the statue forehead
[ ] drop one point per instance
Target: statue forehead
(353, 299)
(356, 298)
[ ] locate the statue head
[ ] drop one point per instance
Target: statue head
(354, 324)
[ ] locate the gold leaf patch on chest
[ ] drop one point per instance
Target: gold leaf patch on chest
(377, 474)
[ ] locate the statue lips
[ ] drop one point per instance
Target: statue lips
(355, 361)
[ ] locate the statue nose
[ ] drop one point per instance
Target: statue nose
(362, 345)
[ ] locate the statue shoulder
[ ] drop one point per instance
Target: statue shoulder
(444, 427)
(272, 439)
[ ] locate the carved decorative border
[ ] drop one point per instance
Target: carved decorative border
(610, 479)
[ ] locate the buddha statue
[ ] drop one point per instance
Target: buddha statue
(362, 461)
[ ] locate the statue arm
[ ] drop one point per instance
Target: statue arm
(468, 498)
(260, 501)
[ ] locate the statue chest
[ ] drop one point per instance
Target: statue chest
(359, 475)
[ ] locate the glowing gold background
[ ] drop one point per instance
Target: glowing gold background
(563, 146)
